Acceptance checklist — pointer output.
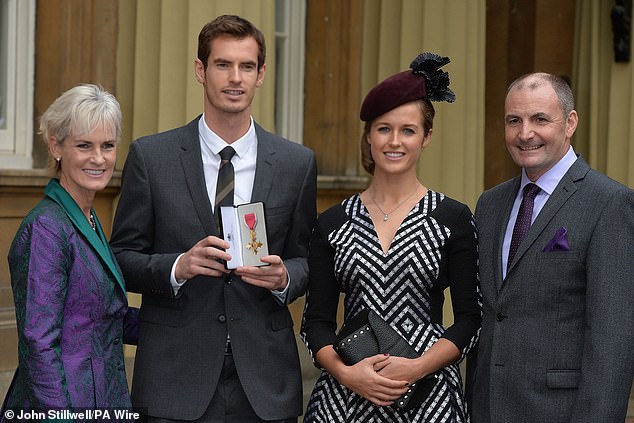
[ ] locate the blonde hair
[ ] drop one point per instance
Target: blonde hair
(79, 111)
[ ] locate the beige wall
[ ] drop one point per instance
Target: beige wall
(394, 33)
(604, 91)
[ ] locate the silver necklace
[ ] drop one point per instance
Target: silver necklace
(386, 216)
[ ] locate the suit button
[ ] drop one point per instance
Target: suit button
(228, 279)
(499, 317)
(116, 341)
(222, 318)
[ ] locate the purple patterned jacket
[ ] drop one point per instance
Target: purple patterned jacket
(71, 309)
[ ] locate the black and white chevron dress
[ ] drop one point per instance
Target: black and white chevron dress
(434, 248)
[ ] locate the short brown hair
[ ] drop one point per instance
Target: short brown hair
(560, 85)
(367, 161)
(229, 26)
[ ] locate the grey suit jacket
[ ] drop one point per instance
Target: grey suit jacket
(163, 211)
(557, 340)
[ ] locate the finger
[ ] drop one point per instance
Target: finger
(391, 385)
(213, 241)
(387, 395)
(386, 398)
(248, 270)
(265, 273)
(378, 359)
(273, 260)
(207, 271)
(259, 282)
(205, 259)
(212, 253)
(212, 269)
(380, 365)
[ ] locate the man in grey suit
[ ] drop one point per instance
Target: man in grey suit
(557, 339)
(216, 345)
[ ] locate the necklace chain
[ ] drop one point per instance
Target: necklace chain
(91, 219)
(386, 216)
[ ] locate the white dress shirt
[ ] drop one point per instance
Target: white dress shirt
(244, 163)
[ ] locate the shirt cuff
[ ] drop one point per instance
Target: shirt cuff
(281, 295)
(176, 284)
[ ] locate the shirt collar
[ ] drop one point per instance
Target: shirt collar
(549, 180)
(216, 144)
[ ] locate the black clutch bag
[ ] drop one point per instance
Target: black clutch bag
(367, 334)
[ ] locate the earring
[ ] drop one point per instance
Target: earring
(57, 159)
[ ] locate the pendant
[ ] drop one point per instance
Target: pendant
(385, 218)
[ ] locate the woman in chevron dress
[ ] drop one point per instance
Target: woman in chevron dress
(394, 248)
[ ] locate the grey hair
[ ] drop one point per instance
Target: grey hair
(79, 111)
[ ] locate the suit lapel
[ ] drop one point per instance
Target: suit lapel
(107, 255)
(191, 160)
(564, 190)
(502, 222)
(265, 167)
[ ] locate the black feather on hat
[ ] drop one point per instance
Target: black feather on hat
(437, 81)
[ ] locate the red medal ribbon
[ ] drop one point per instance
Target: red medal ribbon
(250, 220)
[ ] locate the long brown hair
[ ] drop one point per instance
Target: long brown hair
(367, 161)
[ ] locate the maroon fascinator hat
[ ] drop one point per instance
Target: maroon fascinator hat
(423, 80)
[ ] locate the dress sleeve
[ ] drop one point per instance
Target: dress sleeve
(319, 322)
(39, 261)
(464, 286)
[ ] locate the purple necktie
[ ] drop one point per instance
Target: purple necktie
(523, 221)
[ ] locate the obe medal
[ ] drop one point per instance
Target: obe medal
(251, 221)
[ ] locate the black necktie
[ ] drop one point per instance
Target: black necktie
(224, 186)
(523, 221)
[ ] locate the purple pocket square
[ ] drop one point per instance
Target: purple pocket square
(559, 241)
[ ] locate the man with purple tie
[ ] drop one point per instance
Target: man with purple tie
(556, 249)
